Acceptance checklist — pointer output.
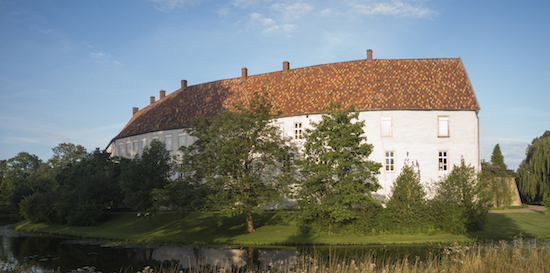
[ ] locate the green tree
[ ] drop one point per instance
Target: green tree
(337, 176)
(67, 153)
(408, 198)
(497, 158)
(242, 157)
(15, 185)
(461, 196)
(533, 174)
(142, 175)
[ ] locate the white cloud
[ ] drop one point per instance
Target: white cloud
(326, 12)
(170, 5)
(16, 140)
(292, 12)
(396, 8)
(101, 57)
(245, 3)
(56, 137)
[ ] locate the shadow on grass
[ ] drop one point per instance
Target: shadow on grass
(498, 227)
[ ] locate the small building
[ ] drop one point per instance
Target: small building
(421, 110)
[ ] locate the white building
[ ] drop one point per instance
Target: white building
(423, 110)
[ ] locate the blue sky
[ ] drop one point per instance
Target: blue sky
(71, 71)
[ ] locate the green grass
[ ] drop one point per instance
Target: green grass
(276, 228)
(511, 207)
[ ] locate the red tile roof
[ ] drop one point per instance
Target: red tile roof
(423, 84)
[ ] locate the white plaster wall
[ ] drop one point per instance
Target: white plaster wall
(414, 136)
(161, 135)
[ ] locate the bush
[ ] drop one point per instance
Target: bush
(460, 199)
(86, 214)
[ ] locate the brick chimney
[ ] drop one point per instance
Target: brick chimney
(135, 110)
(162, 94)
(369, 56)
(152, 99)
(286, 67)
(183, 84)
(244, 73)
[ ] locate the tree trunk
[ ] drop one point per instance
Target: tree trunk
(249, 223)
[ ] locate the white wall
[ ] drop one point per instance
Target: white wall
(414, 137)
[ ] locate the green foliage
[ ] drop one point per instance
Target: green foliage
(533, 174)
(337, 175)
(67, 153)
(142, 175)
(460, 199)
(495, 183)
(497, 158)
(407, 207)
(242, 157)
(15, 181)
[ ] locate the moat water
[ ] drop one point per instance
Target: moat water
(45, 253)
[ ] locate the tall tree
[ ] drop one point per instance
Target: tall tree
(242, 157)
(143, 174)
(533, 174)
(15, 184)
(462, 190)
(497, 158)
(337, 174)
(67, 153)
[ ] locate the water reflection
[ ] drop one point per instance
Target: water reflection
(65, 254)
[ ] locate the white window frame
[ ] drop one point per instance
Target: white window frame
(182, 140)
(136, 147)
(298, 130)
(443, 161)
(143, 144)
(168, 142)
(390, 161)
(443, 129)
(120, 149)
(386, 127)
(128, 148)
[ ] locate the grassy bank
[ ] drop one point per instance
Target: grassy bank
(276, 228)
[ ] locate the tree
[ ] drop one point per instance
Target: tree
(533, 174)
(460, 192)
(242, 157)
(497, 158)
(337, 174)
(408, 198)
(15, 184)
(67, 153)
(143, 174)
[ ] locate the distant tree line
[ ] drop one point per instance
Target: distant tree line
(241, 164)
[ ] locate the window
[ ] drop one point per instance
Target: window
(168, 142)
(128, 148)
(143, 144)
(386, 127)
(136, 147)
(389, 162)
(443, 162)
(443, 124)
(182, 139)
(298, 130)
(120, 149)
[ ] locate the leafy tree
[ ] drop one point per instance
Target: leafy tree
(461, 196)
(67, 153)
(337, 175)
(533, 174)
(242, 157)
(497, 158)
(15, 183)
(80, 194)
(408, 198)
(495, 183)
(143, 174)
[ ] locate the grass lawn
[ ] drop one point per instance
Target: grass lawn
(276, 228)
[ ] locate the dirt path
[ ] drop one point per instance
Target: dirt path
(531, 208)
